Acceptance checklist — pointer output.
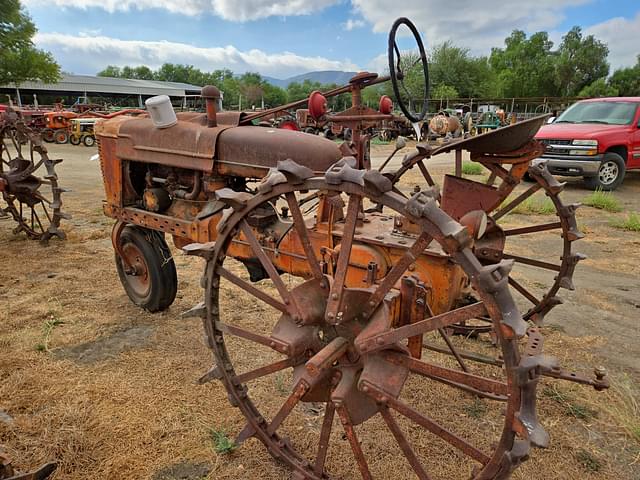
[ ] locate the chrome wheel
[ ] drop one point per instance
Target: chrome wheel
(608, 172)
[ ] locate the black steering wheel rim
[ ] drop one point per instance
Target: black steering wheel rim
(393, 73)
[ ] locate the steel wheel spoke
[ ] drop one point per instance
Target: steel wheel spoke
(268, 369)
(246, 286)
(455, 353)
(287, 407)
(254, 337)
(335, 299)
(265, 261)
(425, 173)
(475, 383)
(301, 227)
(523, 291)
(473, 356)
(533, 262)
(383, 340)
(518, 200)
(325, 434)
(533, 229)
(355, 444)
(404, 444)
(429, 424)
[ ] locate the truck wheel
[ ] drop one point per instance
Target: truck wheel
(89, 141)
(610, 174)
(74, 140)
(149, 276)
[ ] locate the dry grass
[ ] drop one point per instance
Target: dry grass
(127, 406)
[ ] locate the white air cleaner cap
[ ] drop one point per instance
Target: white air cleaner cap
(161, 111)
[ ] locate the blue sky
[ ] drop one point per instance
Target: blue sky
(281, 38)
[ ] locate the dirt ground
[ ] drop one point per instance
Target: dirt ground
(110, 391)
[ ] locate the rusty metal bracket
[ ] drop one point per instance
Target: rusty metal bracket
(495, 280)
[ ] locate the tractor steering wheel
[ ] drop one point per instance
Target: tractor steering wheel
(398, 76)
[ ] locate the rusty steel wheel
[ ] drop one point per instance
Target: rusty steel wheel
(295, 353)
(551, 268)
(28, 181)
(544, 269)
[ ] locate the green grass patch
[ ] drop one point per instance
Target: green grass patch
(221, 442)
(378, 141)
(476, 409)
(589, 461)
(603, 201)
(47, 328)
(579, 411)
(631, 223)
(534, 206)
(556, 395)
(472, 168)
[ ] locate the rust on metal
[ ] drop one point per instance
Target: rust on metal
(355, 271)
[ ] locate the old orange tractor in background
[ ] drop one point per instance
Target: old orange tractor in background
(330, 279)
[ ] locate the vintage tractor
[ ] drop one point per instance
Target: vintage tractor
(82, 131)
(28, 180)
(58, 126)
(331, 290)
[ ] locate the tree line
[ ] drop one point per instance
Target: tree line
(526, 66)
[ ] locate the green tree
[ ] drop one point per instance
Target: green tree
(454, 66)
(445, 92)
(599, 88)
(627, 80)
(297, 91)
(525, 67)
(580, 62)
(20, 61)
(110, 71)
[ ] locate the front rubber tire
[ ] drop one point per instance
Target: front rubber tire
(610, 175)
(155, 289)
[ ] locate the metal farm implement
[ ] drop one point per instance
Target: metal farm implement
(28, 180)
(382, 308)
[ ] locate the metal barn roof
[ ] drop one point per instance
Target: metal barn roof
(125, 86)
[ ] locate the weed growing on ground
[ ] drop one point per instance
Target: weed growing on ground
(476, 410)
(631, 223)
(603, 201)
(581, 412)
(572, 409)
(53, 320)
(221, 442)
(588, 461)
(471, 168)
(535, 206)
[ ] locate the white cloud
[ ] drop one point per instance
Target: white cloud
(623, 37)
(352, 24)
(92, 54)
(234, 10)
(478, 25)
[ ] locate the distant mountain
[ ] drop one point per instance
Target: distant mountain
(325, 76)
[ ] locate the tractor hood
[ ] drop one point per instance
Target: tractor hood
(240, 150)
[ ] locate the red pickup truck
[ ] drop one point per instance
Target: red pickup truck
(597, 139)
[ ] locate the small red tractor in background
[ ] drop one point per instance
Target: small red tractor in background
(354, 287)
